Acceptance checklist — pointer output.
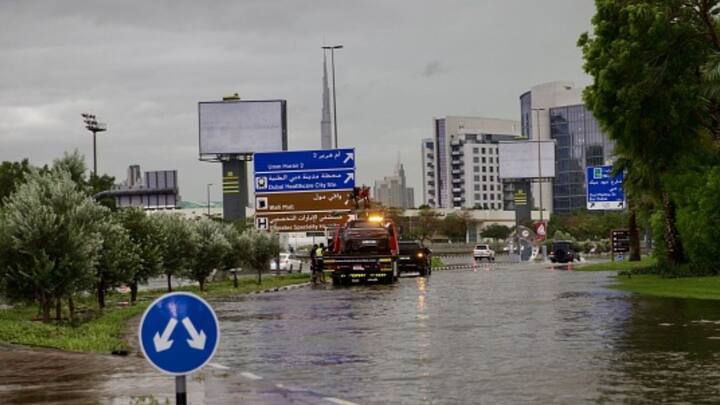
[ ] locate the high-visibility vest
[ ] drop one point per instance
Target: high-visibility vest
(319, 252)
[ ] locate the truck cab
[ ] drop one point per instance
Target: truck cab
(414, 257)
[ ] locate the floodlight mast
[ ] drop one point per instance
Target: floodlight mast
(92, 125)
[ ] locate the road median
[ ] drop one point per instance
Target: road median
(106, 331)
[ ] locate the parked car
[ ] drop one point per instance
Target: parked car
(288, 262)
(562, 251)
(483, 251)
(414, 257)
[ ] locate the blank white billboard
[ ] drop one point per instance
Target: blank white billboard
(519, 160)
(240, 127)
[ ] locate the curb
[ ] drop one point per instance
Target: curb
(454, 267)
(278, 289)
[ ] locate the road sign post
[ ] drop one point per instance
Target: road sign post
(179, 333)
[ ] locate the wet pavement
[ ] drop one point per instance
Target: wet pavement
(502, 334)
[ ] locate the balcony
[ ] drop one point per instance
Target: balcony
(430, 156)
(457, 190)
(457, 180)
(458, 199)
(430, 174)
(458, 171)
(457, 153)
(455, 142)
(457, 162)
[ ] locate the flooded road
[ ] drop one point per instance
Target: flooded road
(503, 334)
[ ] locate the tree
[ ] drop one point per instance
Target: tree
(147, 236)
(265, 247)
(240, 247)
(212, 249)
(644, 57)
(119, 257)
(179, 245)
(425, 225)
(455, 226)
(12, 174)
(50, 244)
(496, 232)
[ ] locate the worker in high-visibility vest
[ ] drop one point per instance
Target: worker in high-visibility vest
(319, 262)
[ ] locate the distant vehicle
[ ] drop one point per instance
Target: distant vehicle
(288, 262)
(483, 251)
(414, 257)
(562, 251)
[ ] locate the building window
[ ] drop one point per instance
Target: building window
(492, 196)
(477, 197)
(484, 160)
(484, 196)
(492, 178)
(476, 160)
(491, 169)
(477, 187)
(483, 150)
(477, 177)
(484, 178)
(484, 187)
(499, 197)
(492, 187)
(475, 150)
(484, 168)
(476, 169)
(491, 160)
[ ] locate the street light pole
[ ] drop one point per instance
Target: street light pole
(332, 64)
(540, 182)
(92, 125)
(208, 199)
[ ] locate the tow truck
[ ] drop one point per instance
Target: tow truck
(363, 250)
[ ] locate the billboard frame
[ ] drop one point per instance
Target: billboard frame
(247, 156)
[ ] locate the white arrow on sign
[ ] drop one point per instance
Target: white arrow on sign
(350, 156)
(163, 342)
(350, 176)
(197, 340)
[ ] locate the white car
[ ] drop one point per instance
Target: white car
(483, 251)
(288, 262)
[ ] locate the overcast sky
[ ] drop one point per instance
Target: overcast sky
(142, 66)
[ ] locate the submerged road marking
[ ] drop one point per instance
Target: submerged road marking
(339, 401)
(218, 366)
(250, 376)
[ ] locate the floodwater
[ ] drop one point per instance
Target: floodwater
(504, 334)
(501, 334)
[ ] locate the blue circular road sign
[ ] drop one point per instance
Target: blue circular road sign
(179, 333)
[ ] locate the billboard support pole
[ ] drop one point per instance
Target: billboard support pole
(540, 183)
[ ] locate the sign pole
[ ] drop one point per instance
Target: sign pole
(180, 390)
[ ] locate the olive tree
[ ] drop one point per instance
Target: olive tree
(179, 245)
(50, 243)
(212, 250)
(147, 237)
(119, 257)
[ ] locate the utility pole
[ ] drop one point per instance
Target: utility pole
(540, 181)
(208, 199)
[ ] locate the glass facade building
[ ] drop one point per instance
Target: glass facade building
(525, 115)
(579, 143)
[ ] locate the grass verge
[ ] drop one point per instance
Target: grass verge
(103, 332)
(644, 263)
(707, 288)
(437, 262)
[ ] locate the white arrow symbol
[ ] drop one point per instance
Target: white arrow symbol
(350, 176)
(197, 340)
(350, 156)
(163, 342)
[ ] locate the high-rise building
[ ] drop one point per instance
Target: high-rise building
(325, 131)
(460, 163)
(556, 111)
(392, 191)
